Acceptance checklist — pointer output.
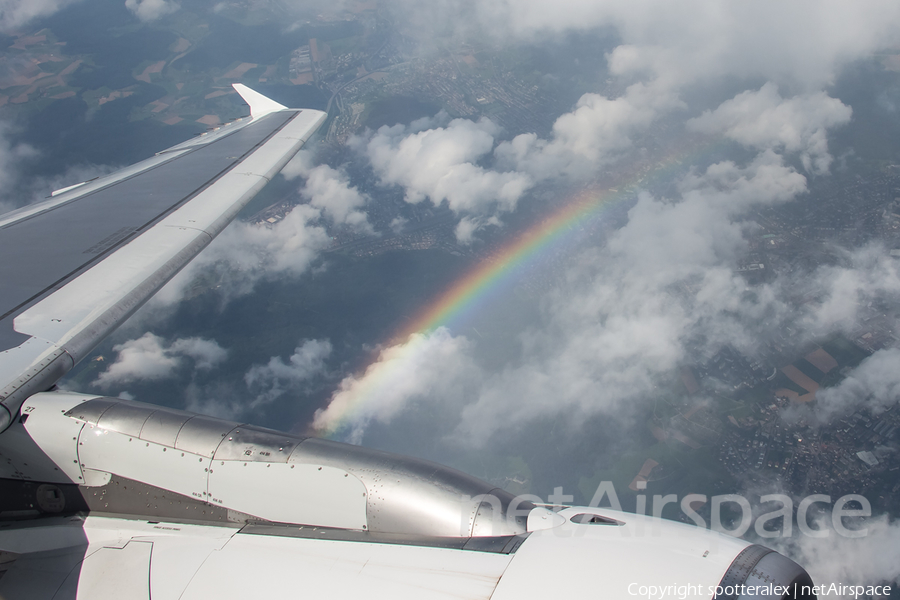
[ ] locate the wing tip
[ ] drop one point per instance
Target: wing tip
(260, 105)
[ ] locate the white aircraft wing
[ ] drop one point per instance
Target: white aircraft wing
(103, 498)
(77, 265)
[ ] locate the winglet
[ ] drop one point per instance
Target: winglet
(260, 105)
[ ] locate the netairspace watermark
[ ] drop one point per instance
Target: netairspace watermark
(851, 507)
(683, 591)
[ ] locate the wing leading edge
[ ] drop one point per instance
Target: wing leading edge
(80, 263)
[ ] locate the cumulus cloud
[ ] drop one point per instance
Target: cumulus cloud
(866, 561)
(873, 386)
(863, 274)
(271, 380)
(150, 358)
(436, 161)
(592, 135)
(803, 43)
(625, 316)
(459, 162)
(432, 367)
(329, 190)
(15, 156)
(12, 156)
(151, 10)
(763, 119)
(247, 253)
(18, 13)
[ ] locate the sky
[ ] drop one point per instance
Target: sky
(750, 88)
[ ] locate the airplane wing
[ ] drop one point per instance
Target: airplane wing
(104, 498)
(78, 264)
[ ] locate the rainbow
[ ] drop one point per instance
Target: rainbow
(492, 277)
(488, 280)
(526, 251)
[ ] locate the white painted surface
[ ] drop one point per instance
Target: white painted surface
(113, 573)
(541, 518)
(260, 105)
(178, 549)
(44, 448)
(193, 562)
(55, 434)
(68, 188)
(601, 561)
(252, 566)
(290, 493)
(147, 462)
(75, 306)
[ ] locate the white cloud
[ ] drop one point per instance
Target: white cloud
(206, 353)
(627, 313)
(248, 253)
(874, 386)
(442, 160)
(149, 358)
(12, 156)
(433, 367)
(18, 13)
(438, 163)
(867, 560)
(151, 10)
(273, 379)
(802, 43)
(466, 229)
(16, 156)
(592, 135)
(863, 274)
(763, 119)
(624, 317)
(330, 191)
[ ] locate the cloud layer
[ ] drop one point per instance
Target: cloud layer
(271, 380)
(15, 14)
(151, 358)
(763, 119)
(151, 10)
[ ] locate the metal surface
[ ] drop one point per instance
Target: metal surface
(81, 263)
(410, 495)
(121, 496)
(507, 544)
(583, 560)
(51, 365)
(111, 573)
(259, 566)
(81, 232)
(249, 443)
(399, 556)
(92, 409)
(283, 478)
(758, 567)
(126, 418)
(202, 435)
(163, 426)
(297, 494)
